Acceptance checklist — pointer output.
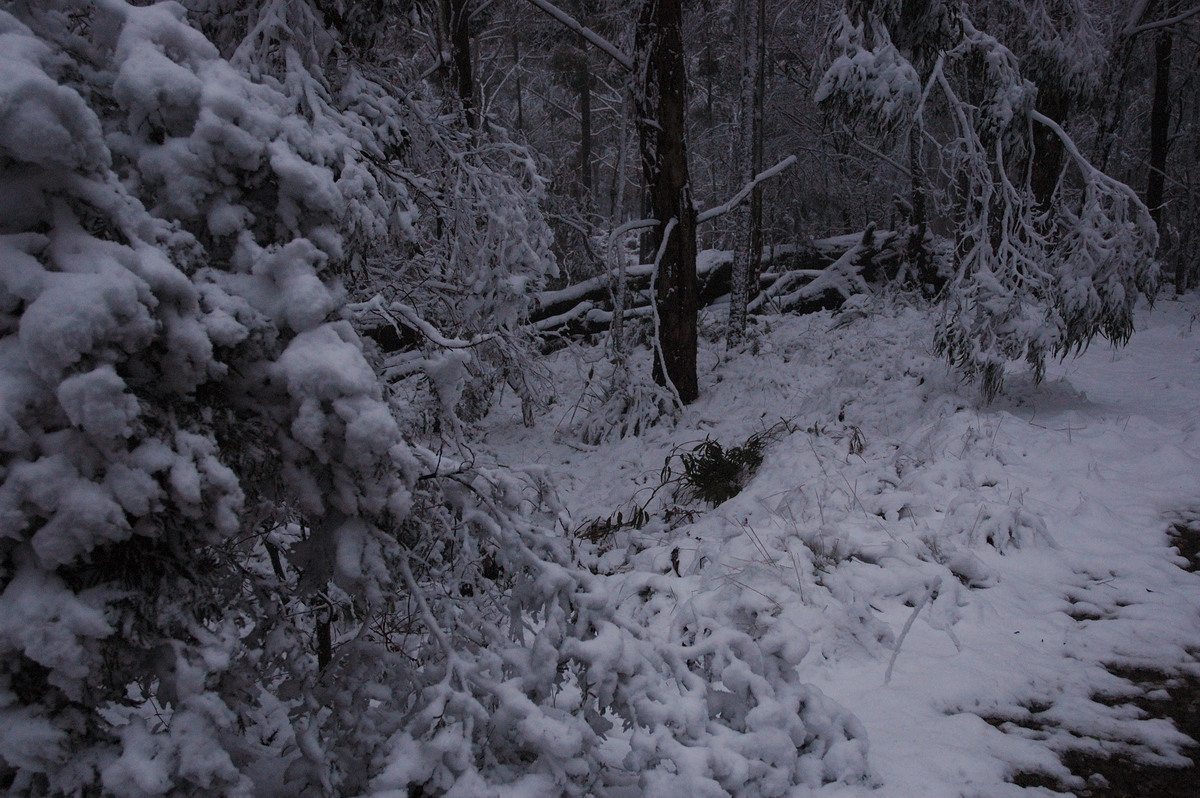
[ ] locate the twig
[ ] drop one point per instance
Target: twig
(887, 676)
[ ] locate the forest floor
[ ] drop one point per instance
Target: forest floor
(1003, 595)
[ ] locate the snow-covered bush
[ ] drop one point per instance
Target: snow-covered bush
(183, 407)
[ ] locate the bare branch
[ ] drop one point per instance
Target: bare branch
(605, 46)
(881, 156)
(1136, 13)
(1134, 30)
(713, 213)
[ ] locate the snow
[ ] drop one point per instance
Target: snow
(202, 464)
(1023, 544)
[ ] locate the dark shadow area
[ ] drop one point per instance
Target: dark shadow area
(1121, 777)
(1175, 697)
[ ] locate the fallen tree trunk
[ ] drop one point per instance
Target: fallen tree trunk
(817, 276)
(798, 279)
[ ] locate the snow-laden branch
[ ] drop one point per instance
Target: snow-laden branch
(605, 46)
(713, 213)
(398, 313)
(1090, 172)
(933, 589)
(636, 224)
(1134, 30)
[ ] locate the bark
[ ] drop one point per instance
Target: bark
(755, 234)
(661, 102)
(583, 78)
(1160, 121)
(324, 643)
(456, 16)
(1047, 146)
(918, 254)
(749, 14)
(739, 292)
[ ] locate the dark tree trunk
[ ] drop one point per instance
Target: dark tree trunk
(661, 104)
(918, 254)
(748, 220)
(324, 642)
(1160, 123)
(1047, 146)
(583, 78)
(756, 144)
(457, 17)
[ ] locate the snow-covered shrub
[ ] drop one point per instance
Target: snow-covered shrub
(628, 405)
(183, 407)
(1000, 526)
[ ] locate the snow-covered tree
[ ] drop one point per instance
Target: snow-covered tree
(186, 403)
(1028, 278)
(233, 558)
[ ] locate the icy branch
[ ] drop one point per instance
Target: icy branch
(636, 224)
(713, 213)
(607, 47)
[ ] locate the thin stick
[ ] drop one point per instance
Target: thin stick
(887, 676)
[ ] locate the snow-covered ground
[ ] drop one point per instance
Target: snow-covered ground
(999, 563)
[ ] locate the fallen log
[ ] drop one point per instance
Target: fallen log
(804, 278)
(797, 278)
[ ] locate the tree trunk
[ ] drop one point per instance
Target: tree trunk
(1047, 146)
(918, 254)
(755, 233)
(1160, 122)
(456, 15)
(747, 219)
(583, 78)
(661, 102)
(739, 295)
(516, 48)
